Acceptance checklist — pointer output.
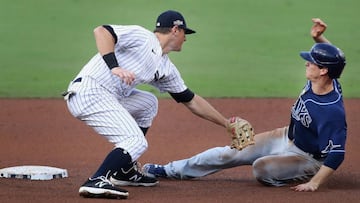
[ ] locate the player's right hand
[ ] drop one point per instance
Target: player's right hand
(318, 28)
(305, 187)
(127, 76)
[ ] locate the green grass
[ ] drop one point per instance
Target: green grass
(243, 48)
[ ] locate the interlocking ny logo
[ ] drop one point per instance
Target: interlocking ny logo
(157, 76)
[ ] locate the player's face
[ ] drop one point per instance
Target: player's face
(312, 71)
(179, 39)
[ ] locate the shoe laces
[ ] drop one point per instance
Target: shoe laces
(137, 167)
(104, 180)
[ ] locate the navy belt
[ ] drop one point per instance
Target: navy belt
(77, 80)
(315, 156)
(67, 93)
(319, 156)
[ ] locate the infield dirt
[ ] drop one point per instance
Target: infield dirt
(42, 132)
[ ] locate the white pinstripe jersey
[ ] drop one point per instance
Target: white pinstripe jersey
(138, 50)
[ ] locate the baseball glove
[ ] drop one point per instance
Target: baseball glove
(241, 133)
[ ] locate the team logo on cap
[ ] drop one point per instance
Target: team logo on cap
(178, 22)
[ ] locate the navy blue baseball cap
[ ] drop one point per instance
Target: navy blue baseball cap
(171, 18)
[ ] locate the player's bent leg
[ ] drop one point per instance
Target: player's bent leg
(280, 170)
(117, 125)
(143, 107)
(131, 174)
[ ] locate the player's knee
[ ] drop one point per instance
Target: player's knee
(150, 110)
(143, 144)
(152, 104)
(135, 146)
(264, 173)
(226, 154)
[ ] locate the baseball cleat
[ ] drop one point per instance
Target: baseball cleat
(132, 177)
(101, 187)
(154, 170)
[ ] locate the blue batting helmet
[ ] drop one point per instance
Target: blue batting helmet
(326, 55)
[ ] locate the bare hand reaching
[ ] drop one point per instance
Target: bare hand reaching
(127, 76)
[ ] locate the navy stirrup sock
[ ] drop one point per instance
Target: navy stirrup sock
(115, 160)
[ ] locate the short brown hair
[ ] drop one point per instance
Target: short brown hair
(163, 30)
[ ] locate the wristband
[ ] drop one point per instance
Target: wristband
(110, 60)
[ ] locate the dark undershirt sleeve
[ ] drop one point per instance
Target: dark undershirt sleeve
(183, 97)
(111, 30)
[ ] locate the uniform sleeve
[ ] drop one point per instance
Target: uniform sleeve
(334, 146)
(128, 37)
(334, 160)
(170, 79)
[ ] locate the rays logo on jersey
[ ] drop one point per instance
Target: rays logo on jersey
(330, 147)
(300, 113)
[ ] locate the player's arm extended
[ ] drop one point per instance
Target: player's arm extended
(200, 107)
(320, 177)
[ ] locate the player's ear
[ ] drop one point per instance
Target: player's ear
(324, 71)
(175, 29)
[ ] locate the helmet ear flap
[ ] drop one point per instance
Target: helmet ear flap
(335, 72)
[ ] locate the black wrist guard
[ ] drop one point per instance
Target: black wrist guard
(110, 60)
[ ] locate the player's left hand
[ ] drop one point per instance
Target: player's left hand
(241, 133)
(305, 187)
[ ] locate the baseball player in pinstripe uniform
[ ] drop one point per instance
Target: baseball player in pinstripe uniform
(104, 96)
(304, 153)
